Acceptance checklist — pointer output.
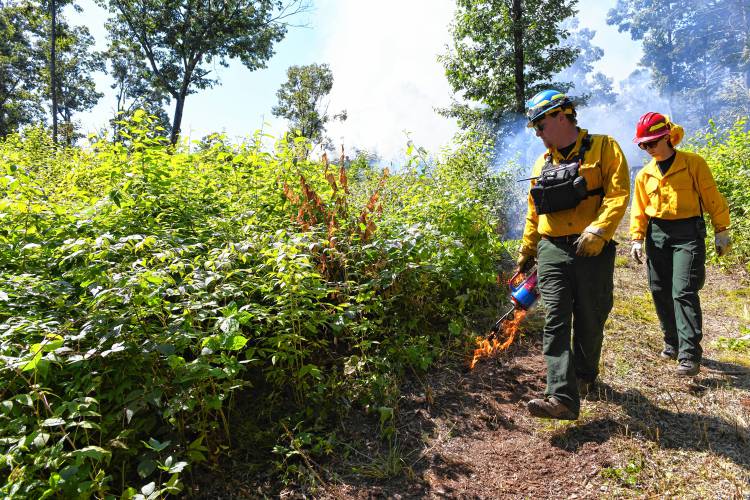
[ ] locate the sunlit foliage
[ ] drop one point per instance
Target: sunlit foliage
(145, 291)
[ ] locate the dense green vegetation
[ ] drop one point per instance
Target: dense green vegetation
(145, 291)
(728, 154)
(158, 305)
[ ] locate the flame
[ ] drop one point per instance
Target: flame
(491, 345)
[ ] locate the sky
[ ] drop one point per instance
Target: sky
(387, 77)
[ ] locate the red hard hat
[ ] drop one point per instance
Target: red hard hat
(651, 126)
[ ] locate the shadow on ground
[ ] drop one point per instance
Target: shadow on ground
(673, 429)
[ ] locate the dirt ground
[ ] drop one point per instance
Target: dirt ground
(647, 433)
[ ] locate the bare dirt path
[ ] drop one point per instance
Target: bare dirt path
(647, 434)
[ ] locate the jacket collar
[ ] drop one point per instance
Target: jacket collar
(678, 165)
(555, 155)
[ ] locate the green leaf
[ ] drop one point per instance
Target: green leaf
(152, 278)
(146, 467)
(229, 325)
(52, 346)
(7, 406)
(25, 399)
(52, 422)
(148, 489)
(129, 493)
(84, 424)
(40, 440)
(154, 444)
(31, 365)
(95, 452)
(116, 198)
(386, 414)
(235, 342)
(312, 370)
(178, 467)
(175, 362)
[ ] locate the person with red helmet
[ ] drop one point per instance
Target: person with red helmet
(669, 197)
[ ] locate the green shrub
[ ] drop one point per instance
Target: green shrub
(728, 154)
(143, 290)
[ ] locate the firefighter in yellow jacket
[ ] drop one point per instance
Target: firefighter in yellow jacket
(577, 198)
(671, 194)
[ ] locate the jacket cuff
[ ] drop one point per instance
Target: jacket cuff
(597, 231)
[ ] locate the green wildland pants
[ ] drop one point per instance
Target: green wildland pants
(676, 256)
(577, 292)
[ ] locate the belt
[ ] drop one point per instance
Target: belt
(567, 239)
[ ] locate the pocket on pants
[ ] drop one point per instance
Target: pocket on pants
(690, 270)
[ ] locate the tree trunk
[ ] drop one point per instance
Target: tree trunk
(669, 88)
(180, 98)
(53, 78)
(518, 61)
(177, 121)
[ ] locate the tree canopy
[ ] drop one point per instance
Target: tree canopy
(132, 88)
(76, 63)
(20, 102)
(504, 51)
(25, 67)
(181, 39)
(698, 52)
(301, 100)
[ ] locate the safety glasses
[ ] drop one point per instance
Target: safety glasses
(650, 144)
(539, 126)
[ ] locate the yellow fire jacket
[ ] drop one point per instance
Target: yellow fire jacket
(604, 165)
(679, 194)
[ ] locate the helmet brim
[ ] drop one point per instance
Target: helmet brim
(649, 138)
(567, 102)
(538, 117)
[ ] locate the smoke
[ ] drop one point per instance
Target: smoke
(518, 147)
(390, 80)
(516, 151)
(618, 119)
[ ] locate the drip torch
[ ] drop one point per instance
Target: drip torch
(523, 294)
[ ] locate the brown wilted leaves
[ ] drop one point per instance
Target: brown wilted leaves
(313, 210)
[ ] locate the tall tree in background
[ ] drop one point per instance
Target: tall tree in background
(132, 87)
(20, 101)
(28, 79)
(180, 39)
(698, 51)
(52, 64)
(504, 51)
(301, 100)
(74, 84)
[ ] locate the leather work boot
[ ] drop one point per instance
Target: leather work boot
(550, 407)
(688, 368)
(668, 352)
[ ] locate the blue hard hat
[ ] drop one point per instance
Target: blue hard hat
(544, 102)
